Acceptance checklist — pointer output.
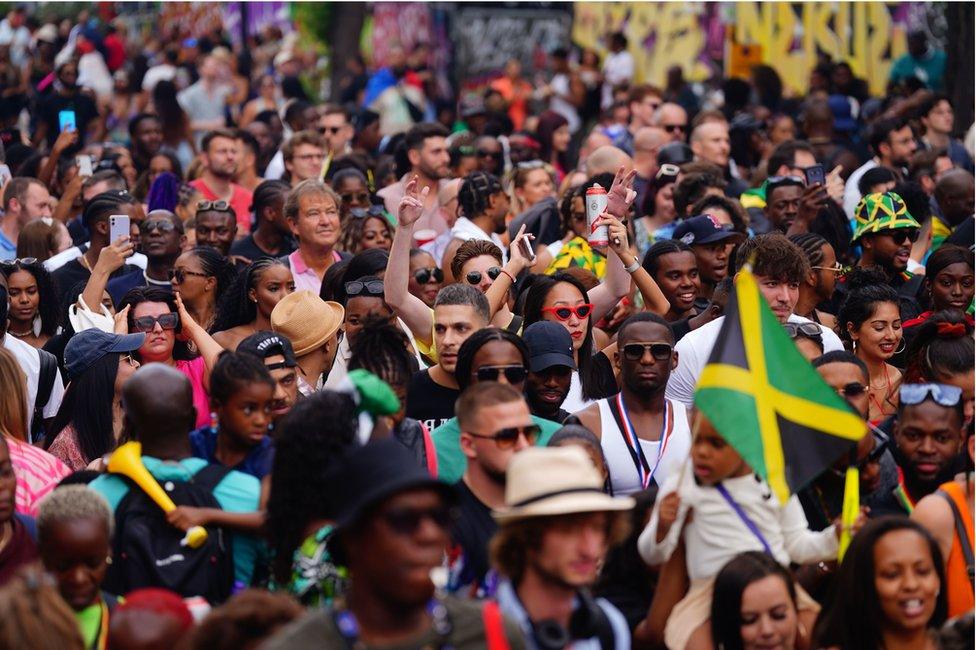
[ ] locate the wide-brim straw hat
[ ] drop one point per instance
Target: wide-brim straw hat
(307, 320)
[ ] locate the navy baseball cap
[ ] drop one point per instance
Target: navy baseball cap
(85, 348)
(549, 345)
(264, 344)
(703, 229)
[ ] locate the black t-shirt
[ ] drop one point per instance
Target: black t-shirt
(247, 248)
(473, 529)
(430, 402)
(71, 273)
(85, 111)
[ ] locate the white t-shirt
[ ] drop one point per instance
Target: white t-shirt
(617, 69)
(55, 262)
(157, 73)
(696, 347)
(30, 363)
(852, 195)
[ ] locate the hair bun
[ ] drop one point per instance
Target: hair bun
(859, 278)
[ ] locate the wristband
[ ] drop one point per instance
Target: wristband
(633, 267)
(510, 276)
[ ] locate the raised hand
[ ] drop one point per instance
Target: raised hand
(516, 254)
(113, 256)
(621, 193)
(411, 206)
(617, 233)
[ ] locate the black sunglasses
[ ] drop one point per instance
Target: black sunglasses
(162, 225)
(423, 276)
(362, 197)
(168, 321)
(635, 351)
(901, 235)
(406, 521)
(369, 288)
(675, 128)
(180, 275)
(508, 437)
(330, 129)
(853, 389)
(880, 446)
(474, 277)
(497, 155)
(513, 374)
(371, 211)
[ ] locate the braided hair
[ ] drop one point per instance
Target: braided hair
(234, 307)
(216, 266)
(659, 249)
(235, 370)
(812, 246)
(104, 204)
(474, 192)
(383, 349)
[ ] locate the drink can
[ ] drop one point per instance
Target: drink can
(596, 204)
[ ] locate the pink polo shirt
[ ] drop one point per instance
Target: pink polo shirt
(305, 278)
(240, 201)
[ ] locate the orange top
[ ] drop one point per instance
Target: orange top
(957, 575)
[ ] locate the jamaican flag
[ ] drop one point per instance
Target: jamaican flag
(767, 401)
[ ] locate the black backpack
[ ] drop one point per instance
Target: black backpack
(147, 550)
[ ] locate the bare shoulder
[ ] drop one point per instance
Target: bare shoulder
(590, 418)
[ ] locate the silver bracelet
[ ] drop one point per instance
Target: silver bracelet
(633, 267)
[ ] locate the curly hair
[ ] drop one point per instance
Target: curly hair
(733, 209)
(49, 302)
(471, 249)
(692, 188)
(352, 229)
(308, 441)
(234, 307)
(234, 370)
(245, 620)
(774, 256)
(867, 289)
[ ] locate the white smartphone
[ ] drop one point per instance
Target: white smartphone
(4, 174)
(118, 226)
(526, 245)
(84, 166)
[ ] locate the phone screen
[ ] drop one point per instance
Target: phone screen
(66, 121)
(814, 174)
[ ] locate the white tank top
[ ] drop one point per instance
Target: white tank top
(624, 476)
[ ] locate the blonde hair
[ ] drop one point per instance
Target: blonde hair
(70, 503)
(13, 399)
(33, 614)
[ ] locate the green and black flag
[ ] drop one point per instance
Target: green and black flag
(766, 400)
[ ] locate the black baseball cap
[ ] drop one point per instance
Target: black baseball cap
(549, 345)
(266, 344)
(676, 153)
(703, 229)
(85, 348)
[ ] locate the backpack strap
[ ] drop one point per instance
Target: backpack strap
(491, 617)
(210, 476)
(961, 534)
(515, 325)
(430, 451)
(45, 385)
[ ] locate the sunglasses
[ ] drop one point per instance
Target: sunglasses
(423, 276)
(836, 269)
(635, 351)
(901, 235)
(168, 321)
(880, 446)
(531, 164)
(941, 394)
(853, 389)
(21, 261)
(180, 275)
(809, 330)
(497, 155)
(216, 206)
(362, 197)
(474, 277)
(369, 288)
(162, 225)
(330, 129)
(513, 374)
(406, 521)
(371, 211)
(675, 128)
(564, 313)
(508, 437)
(577, 217)
(667, 169)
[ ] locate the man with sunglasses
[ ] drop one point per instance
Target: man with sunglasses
(390, 533)
(495, 425)
(673, 118)
(818, 287)
(491, 158)
(644, 435)
(335, 127)
(162, 239)
(220, 155)
(886, 232)
(927, 439)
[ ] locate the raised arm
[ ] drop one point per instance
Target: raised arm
(110, 258)
(208, 348)
(414, 312)
(616, 284)
(497, 293)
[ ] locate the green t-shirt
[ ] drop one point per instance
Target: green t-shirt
(451, 461)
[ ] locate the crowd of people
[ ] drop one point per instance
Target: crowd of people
(377, 350)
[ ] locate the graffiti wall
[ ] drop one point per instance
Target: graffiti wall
(789, 35)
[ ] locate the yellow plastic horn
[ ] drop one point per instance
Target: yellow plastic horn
(127, 461)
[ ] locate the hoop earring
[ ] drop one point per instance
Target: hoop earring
(904, 344)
